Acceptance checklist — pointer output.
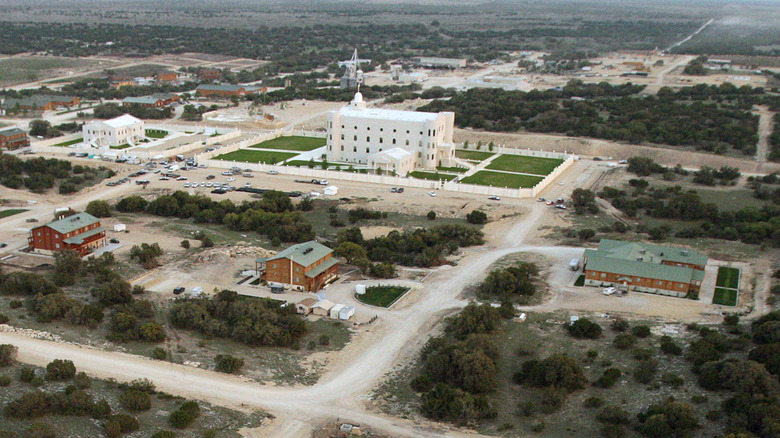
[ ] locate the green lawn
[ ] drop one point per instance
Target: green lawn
(11, 212)
(156, 133)
(725, 297)
(292, 143)
(473, 155)
(499, 179)
(580, 281)
(382, 296)
(452, 169)
(68, 143)
(432, 175)
(728, 277)
(121, 146)
(525, 164)
(250, 156)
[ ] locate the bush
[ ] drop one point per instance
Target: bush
(185, 244)
(593, 402)
(559, 371)
(3, 318)
(477, 217)
(422, 383)
(670, 347)
(645, 370)
(7, 354)
(58, 370)
(5, 381)
(624, 341)
(120, 424)
(101, 409)
(226, 363)
(98, 208)
(159, 354)
(40, 430)
(613, 415)
(164, 434)
(584, 328)
(608, 378)
(431, 215)
(180, 419)
(641, 331)
(26, 374)
(152, 332)
(136, 401)
(82, 380)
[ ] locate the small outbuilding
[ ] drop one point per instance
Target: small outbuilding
(304, 306)
(347, 312)
(120, 227)
(334, 311)
(322, 307)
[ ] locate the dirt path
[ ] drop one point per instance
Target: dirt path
(765, 127)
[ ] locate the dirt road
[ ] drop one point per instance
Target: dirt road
(765, 127)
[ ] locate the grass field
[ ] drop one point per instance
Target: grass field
(525, 164)
(292, 143)
(250, 156)
(432, 175)
(473, 155)
(725, 297)
(121, 146)
(382, 296)
(156, 133)
(11, 212)
(452, 169)
(499, 179)
(728, 278)
(19, 69)
(68, 143)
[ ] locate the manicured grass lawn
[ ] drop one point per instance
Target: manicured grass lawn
(725, 297)
(250, 156)
(292, 143)
(68, 143)
(525, 164)
(473, 155)
(499, 179)
(156, 133)
(728, 277)
(382, 296)
(317, 164)
(432, 175)
(11, 212)
(580, 281)
(452, 169)
(121, 146)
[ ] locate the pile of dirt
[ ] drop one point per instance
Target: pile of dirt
(219, 254)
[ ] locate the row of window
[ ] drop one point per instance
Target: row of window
(637, 280)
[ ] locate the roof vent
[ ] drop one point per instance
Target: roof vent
(684, 252)
(308, 250)
(642, 251)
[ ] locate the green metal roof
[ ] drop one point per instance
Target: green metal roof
(324, 266)
(149, 100)
(11, 131)
(223, 87)
(633, 268)
(38, 100)
(304, 254)
(652, 253)
(80, 238)
(72, 223)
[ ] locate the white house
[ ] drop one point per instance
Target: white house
(124, 129)
(391, 140)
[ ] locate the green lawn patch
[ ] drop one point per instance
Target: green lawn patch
(452, 169)
(252, 156)
(473, 155)
(292, 143)
(728, 278)
(11, 212)
(580, 281)
(156, 133)
(382, 296)
(70, 142)
(525, 164)
(725, 297)
(500, 179)
(432, 176)
(121, 146)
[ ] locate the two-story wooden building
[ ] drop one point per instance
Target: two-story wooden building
(80, 232)
(642, 267)
(307, 266)
(13, 138)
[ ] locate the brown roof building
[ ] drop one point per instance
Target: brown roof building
(80, 232)
(13, 138)
(306, 266)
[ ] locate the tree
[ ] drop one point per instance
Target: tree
(586, 234)
(39, 128)
(431, 215)
(584, 201)
(185, 244)
(60, 369)
(226, 363)
(557, 371)
(206, 242)
(584, 328)
(98, 208)
(7, 354)
(135, 401)
(152, 332)
(477, 217)
(350, 251)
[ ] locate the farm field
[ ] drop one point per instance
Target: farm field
(728, 277)
(292, 143)
(501, 179)
(11, 212)
(382, 296)
(525, 164)
(725, 297)
(251, 156)
(432, 176)
(22, 69)
(473, 155)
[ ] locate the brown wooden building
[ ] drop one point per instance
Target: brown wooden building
(227, 90)
(306, 266)
(80, 232)
(209, 74)
(41, 102)
(13, 138)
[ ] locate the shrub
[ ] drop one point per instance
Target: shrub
(119, 424)
(159, 354)
(136, 401)
(624, 341)
(164, 434)
(152, 332)
(98, 208)
(672, 380)
(560, 371)
(185, 244)
(670, 347)
(7, 354)
(593, 402)
(608, 378)
(226, 363)
(645, 370)
(15, 304)
(101, 409)
(431, 215)
(30, 405)
(613, 415)
(477, 217)
(641, 331)
(584, 328)
(40, 430)
(59, 369)
(82, 380)
(5, 381)
(324, 339)
(3, 318)
(26, 374)
(180, 419)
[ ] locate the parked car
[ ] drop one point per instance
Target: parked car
(210, 177)
(186, 185)
(623, 162)
(113, 240)
(609, 290)
(400, 189)
(3, 245)
(540, 199)
(494, 198)
(178, 290)
(273, 172)
(432, 193)
(181, 178)
(394, 190)
(32, 219)
(561, 206)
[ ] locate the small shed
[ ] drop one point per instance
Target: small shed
(304, 306)
(322, 307)
(334, 311)
(120, 227)
(360, 289)
(347, 312)
(330, 190)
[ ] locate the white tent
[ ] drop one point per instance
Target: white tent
(120, 227)
(331, 190)
(347, 312)
(334, 311)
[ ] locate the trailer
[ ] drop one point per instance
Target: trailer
(574, 264)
